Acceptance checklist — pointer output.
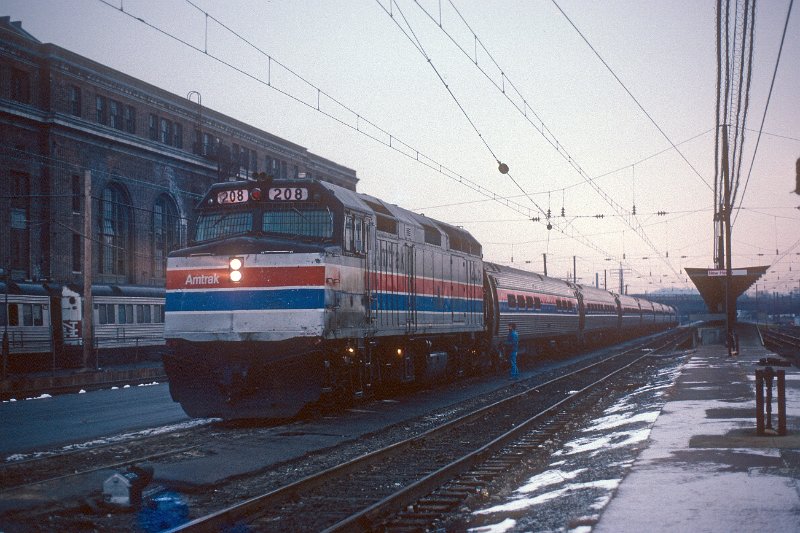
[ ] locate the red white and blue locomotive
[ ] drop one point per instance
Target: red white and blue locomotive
(297, 290)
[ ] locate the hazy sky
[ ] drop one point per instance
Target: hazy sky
(354, 52)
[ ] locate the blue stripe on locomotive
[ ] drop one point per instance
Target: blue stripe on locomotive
(221, 300)
(399, 302)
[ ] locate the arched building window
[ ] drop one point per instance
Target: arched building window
(115, 231)
(166, 232)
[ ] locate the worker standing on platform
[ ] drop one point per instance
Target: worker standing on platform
(512, 345)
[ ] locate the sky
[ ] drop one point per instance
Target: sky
(383, 89)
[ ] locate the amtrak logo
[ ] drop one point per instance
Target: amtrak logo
(204, 279)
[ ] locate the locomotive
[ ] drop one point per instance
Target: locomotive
(295, 291)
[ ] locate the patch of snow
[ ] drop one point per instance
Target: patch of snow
(524, 503)
(500, 527)
(610, 422)
(115, 439)
(612, 440)
(550, 477)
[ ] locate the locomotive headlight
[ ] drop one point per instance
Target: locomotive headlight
(235, 265)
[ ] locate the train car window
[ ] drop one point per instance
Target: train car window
(3, 314)
(121, 314)
(512, 301)
(38, 316)
(13, 315)
(529, 302)
(27, 315)
(537, 302)
(159, 314)
(128, 313)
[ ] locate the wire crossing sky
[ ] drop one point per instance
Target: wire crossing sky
(349, 86)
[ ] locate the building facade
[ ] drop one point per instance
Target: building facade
(149, 154)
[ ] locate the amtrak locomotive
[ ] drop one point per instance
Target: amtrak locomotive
(299, 290)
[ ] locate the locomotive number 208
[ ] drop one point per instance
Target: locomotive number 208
(288, 194)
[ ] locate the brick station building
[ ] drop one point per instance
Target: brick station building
(151, 155)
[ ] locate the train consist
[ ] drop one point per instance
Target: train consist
(295, 291)
(44, 323)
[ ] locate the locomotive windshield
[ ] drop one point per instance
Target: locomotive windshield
(298, 222)
(311, 223)
(212, 226)
(285, 210)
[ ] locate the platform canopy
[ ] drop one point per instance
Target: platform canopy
(711, 283)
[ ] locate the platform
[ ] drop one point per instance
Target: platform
(704, 467)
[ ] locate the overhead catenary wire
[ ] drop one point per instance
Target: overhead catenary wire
(766, 107)
(636, 101)
(388, 140)
(421, 49)
(630, 221)
(391, 141)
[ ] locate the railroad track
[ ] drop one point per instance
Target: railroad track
(783, 342)
(66, 465)
(411, 482)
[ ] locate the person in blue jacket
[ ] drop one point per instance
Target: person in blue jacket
(512, 345)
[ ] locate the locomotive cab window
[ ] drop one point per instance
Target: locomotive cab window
(212, 226)
(354, 234)
(296, 221)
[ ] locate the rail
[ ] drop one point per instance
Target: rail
(419, 464)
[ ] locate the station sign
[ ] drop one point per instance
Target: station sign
(716, 273)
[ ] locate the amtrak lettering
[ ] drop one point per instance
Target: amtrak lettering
(204, 279)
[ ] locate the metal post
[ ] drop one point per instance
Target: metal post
(5, 348)
(781, 402)
(87, 268)
(768, 375)
(759, 402)
(730, 302)
(574, 268)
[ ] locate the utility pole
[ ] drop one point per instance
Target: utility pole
(545, 263)
(6, 348)
(730, 306)
(574, 274)
(88, 342)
